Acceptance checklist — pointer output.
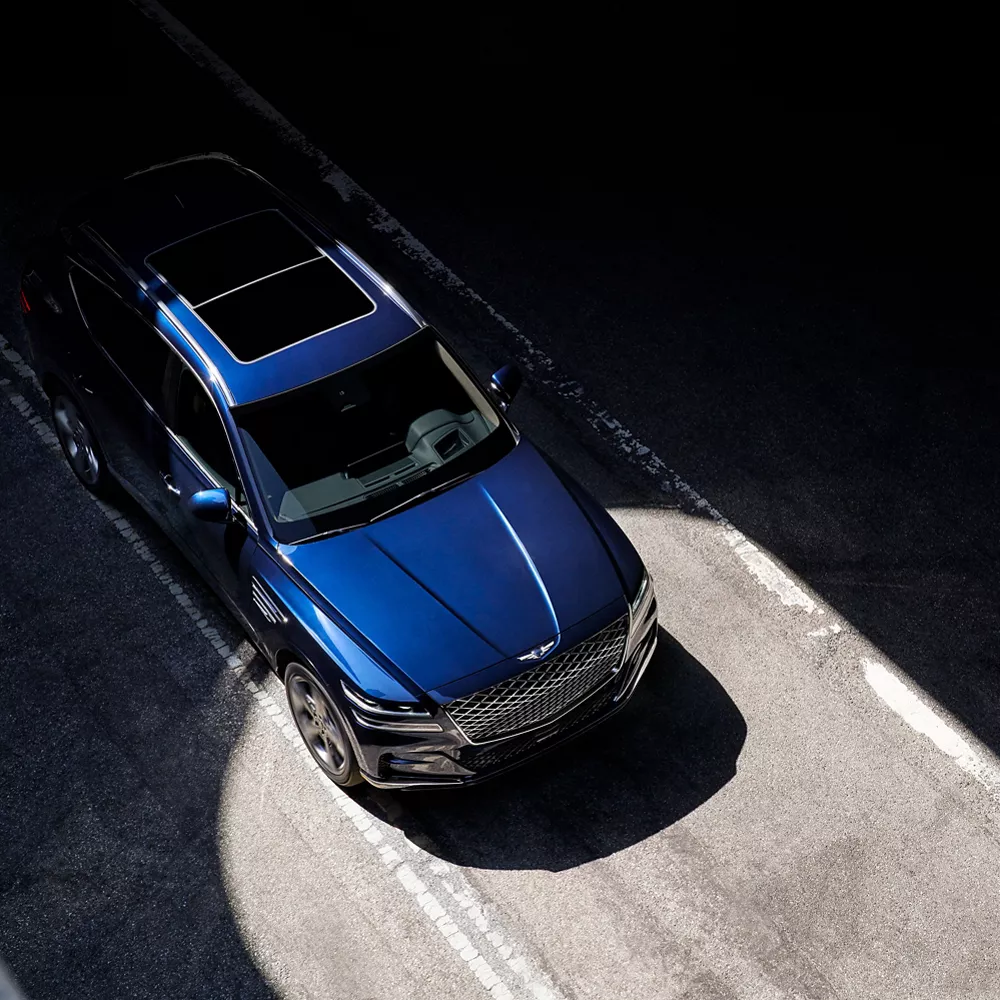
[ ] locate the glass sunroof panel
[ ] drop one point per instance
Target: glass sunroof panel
(218, 260)
(284, 309)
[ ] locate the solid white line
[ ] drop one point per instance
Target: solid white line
(920, 717)
(543, 369)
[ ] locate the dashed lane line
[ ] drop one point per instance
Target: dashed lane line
(920, 717)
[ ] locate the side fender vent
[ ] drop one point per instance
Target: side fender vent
(266, 604)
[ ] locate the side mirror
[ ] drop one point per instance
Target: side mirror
(504, 384)
(210, 505)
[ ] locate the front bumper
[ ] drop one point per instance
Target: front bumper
(448, 759)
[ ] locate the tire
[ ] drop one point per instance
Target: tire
(322, 725)
(80, 445)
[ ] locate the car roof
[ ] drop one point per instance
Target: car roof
(267, 299)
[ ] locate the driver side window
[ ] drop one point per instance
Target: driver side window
(199, 427)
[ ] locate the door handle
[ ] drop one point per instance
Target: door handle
(168, 481)
(78, 380)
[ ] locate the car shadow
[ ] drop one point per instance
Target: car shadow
(798, 316)
(671, 749)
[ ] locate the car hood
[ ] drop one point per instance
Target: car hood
(478, 574)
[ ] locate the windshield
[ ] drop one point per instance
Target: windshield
(350, 447)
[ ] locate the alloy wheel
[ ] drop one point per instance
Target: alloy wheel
(318, 724)
(76, 440)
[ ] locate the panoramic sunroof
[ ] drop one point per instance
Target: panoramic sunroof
(260, 285)
(223, 258)
(284, 309)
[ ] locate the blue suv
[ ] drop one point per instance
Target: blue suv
(441, 600)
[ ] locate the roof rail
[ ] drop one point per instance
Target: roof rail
(184, 159)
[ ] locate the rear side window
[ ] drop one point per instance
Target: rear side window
(134, 346)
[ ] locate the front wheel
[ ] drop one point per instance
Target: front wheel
(79, 445)
(321, 725)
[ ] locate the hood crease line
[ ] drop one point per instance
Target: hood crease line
(472, 628)
(527, 559)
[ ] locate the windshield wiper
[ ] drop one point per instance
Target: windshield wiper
(332, 531)
(392, 510)
(423, 493)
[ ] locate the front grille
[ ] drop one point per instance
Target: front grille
(543, 692)
(483, 758)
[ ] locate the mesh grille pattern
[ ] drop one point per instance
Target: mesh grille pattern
(482, 758)
(537, 694)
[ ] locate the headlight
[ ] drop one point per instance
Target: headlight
(390, 716)
(644, 597)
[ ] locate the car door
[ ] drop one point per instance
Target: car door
(200, 457)
(118, 377)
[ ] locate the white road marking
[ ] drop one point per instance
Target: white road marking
(8, 988)
(543, 368)
(475, 934)
(919, 716)
(770, 576)
(824, 632)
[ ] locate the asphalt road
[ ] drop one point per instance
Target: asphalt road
(758, 823)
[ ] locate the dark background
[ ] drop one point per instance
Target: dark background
(769, 249)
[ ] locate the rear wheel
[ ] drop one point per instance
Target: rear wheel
(80, 445)
(321, 725)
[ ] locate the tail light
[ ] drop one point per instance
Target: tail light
(32, 280)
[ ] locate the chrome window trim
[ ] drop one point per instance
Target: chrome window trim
(76, 298)
(187, 337)
(208, 473)
(174, 322)
(212, 478)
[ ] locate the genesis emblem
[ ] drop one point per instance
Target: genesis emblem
(538, 652)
